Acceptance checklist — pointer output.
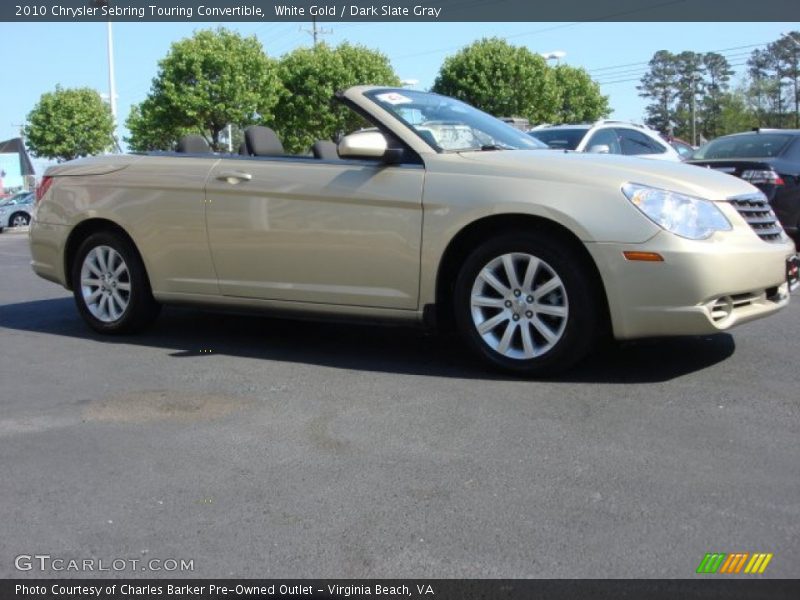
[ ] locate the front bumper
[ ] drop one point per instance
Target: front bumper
(701, 287)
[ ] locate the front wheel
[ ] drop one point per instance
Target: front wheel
(110, 285)
(527, 303)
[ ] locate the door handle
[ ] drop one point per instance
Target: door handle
(234, 177)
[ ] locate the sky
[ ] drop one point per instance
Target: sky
(615, 54)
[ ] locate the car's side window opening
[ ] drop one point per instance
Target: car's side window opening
(263, 143)
(635, 142)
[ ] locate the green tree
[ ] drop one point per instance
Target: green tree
(735, 114)
(689, 84)
(715, 99)
(307, 111)
(659, 85)
(68, 123)
(207, 81)
(152, 129)
(501, 79)
(764, 91)
(686, 90)
(774, 87)
(786, 52)
(579, 96)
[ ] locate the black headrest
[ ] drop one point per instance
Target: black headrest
(243, 149)
(325, 149)
(262, 141)
(193, 144)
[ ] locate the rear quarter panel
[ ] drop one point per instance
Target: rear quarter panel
(158, 200)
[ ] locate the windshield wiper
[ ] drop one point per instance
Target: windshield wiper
(496, 146)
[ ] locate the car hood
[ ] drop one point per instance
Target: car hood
(612, 170)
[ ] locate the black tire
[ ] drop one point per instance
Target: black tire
(576, 295)
(141, 308)
(24, 216)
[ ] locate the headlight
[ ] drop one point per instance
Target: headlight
(683, 215)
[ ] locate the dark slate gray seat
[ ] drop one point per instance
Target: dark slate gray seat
(262, 141)
(325, 150)
(193, 144)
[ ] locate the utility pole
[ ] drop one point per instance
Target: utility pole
(316, 32)
(112, 86)
(694, 109)
(694, 113)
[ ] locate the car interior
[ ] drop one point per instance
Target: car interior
(258, 141)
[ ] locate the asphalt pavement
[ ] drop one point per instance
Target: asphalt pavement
(258, 447)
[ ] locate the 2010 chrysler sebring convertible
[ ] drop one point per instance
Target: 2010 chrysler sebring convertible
(438, 213)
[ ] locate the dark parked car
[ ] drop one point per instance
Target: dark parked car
(767, 158)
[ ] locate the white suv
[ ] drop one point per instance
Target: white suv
(606, 137)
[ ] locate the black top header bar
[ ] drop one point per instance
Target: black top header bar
(398, 10)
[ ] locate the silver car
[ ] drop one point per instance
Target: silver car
(16, 212)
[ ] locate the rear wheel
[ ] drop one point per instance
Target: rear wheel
(110, 285)
(526, 303)
(19, 220)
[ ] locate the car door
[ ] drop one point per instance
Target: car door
(344, 232)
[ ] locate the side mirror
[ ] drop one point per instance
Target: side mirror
(368, 144)
(600, 149)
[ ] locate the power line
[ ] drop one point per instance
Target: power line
(721, 50)
(546, 29)
(458, 47)
(612, 82)
(611, 77)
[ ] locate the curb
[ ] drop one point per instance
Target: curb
(24, 229)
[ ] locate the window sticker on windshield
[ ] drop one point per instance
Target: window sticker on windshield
(394, 98)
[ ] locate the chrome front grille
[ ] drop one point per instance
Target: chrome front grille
(757, 212)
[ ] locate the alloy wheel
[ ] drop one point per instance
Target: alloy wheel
(105, 284)
(519, 306)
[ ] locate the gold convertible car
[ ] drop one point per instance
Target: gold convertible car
(433, 213)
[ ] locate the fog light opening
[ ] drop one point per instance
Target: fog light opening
(721, 309)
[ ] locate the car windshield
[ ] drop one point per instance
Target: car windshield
(563, 139)
(450, 125)
(751, 145)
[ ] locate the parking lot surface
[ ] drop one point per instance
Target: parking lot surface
(258, 447)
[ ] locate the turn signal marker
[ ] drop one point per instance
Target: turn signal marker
(643, 256)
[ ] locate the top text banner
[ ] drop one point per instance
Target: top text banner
(399, 10)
